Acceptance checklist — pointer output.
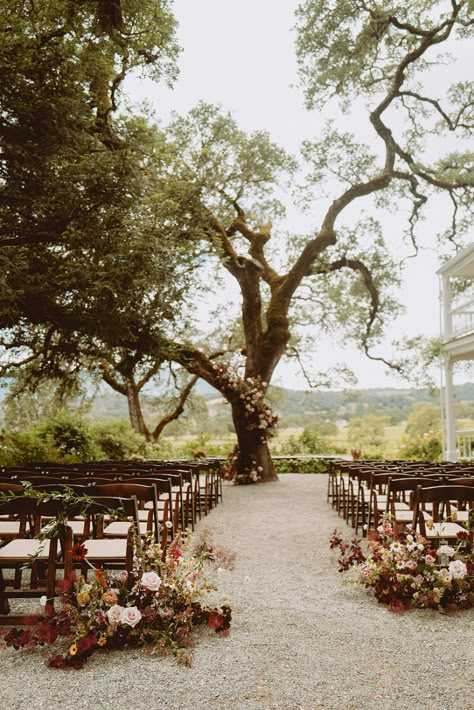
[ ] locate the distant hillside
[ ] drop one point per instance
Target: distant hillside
(297, 408)
(294, 404)
(391, 402)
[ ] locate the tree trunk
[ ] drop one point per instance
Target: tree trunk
(254, 462)
(135, 411)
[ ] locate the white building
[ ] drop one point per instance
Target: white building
(457, 337)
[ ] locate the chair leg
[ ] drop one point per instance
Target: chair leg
(4, 605)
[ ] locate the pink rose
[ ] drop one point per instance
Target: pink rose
(131, 616)
(151, 581)
(457, 569)
(114, 614)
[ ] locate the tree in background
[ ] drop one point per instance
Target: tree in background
(423, 418)
(367, 432)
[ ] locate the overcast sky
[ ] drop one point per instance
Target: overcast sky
(241, 55)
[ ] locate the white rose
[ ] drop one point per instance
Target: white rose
(151, 581)
(131, 616)
(114, 614)
(43, 600)
(457, 569)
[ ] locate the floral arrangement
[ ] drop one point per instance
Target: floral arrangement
(251, 392)
(156, 607)
(405, 571)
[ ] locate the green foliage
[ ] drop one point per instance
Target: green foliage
(201, 446)
(288, 464)
(423, 419)
(118, 442)
(367, 431)
(70, 436)
(341, 44)
(308, 442)
(28, 402)
(428, 448)
(23, 447)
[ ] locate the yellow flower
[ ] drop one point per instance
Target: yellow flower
(429, 524)
(102, 640)
(109, 598)
(83, 598)
(73, 649)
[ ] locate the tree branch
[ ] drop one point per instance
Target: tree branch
(178, 410)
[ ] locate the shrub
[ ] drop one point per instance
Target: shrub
(119, 442)
(72, 438)
(308, 442)
(26, 446)
(426, 448)
(290, 464)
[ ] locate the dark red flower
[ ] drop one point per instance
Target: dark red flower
(63, 586)
(463, 535)
(373, 536)
(215, 620)
(79, 552)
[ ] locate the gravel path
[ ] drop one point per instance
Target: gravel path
(300, 639)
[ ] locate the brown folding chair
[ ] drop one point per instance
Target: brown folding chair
(46, 557)
(442, 498)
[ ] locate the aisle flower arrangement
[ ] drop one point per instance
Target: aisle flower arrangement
(405, 571)
(155, 608)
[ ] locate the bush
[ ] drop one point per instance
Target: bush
(201, 446)
(24, 447)
(119, 442)
(423, 448)
(72, 438)
(289, 464)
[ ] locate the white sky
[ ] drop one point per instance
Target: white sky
(242, 57)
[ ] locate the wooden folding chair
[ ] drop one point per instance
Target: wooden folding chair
(112, 553)
(51, 555)
(442, 498)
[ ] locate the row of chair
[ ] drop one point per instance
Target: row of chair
(362, 491)
(158, 498)
(196, 487)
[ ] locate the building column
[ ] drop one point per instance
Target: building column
(446, 305)
(449, 417)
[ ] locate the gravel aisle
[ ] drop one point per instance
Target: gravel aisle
(300, 638)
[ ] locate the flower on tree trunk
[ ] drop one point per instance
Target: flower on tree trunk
(250, 393)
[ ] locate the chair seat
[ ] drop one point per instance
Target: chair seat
(106, 549)
(9, 527)
(161, 503)
(120, 529)
(444, 529)
(382, 503)
(406, 516)
(22, 550)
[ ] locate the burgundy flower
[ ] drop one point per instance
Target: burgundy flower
(63, 586)
(79, 552)
(214, 620)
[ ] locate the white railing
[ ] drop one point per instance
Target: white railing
(462, 319)
(465, 444)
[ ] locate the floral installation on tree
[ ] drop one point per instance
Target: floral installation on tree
(405, 571)
(251, 391)
(156, 607)
(228, 470)
(249, 394)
